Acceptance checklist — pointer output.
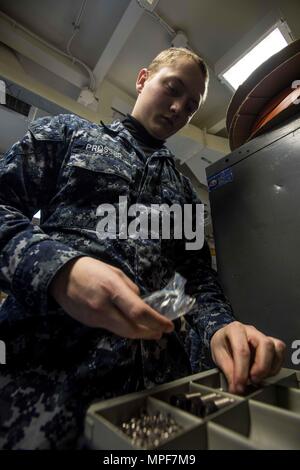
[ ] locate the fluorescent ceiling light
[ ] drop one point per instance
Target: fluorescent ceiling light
(241, 70)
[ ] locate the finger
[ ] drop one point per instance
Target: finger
(241, 356)
(280, 352)
(115, 321)
(264, 355)
(223, 359)
(136, 310)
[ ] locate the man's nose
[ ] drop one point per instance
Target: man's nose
(176, 107)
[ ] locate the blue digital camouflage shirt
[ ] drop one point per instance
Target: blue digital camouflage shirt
(66, 167)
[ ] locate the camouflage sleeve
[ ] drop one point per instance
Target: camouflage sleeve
(212, 310)
(28, 174)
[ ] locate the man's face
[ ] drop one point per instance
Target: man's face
(168, 98)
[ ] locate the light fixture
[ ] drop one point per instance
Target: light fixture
(273, 41)
(180, 40)
(88, 99)
(148, 5)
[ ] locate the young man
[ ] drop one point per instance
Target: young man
(75, 326)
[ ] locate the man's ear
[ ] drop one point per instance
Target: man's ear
(141, 79)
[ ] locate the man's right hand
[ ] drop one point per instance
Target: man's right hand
(99, 295)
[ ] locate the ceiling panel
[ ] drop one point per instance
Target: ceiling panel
(213, 28)
(52, 20)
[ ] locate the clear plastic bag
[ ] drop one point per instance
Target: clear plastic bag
(171, 301)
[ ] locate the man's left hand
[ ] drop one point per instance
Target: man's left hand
(246, 355)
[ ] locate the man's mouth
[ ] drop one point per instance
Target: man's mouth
(168, 120)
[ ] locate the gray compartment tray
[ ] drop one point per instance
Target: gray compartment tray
(266, 417)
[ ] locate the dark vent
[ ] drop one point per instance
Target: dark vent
(17, 105)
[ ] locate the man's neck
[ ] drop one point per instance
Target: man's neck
(140, 133)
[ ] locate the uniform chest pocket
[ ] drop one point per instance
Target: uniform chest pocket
(97, 178)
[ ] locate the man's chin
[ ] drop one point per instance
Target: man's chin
(161, 134)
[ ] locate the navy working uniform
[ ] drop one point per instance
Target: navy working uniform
(56, 366)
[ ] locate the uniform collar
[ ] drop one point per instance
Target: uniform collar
(117, 128)
(140, 133)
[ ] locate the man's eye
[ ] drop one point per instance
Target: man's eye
(171, 88)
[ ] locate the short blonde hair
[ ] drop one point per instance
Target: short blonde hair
(170, 56)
